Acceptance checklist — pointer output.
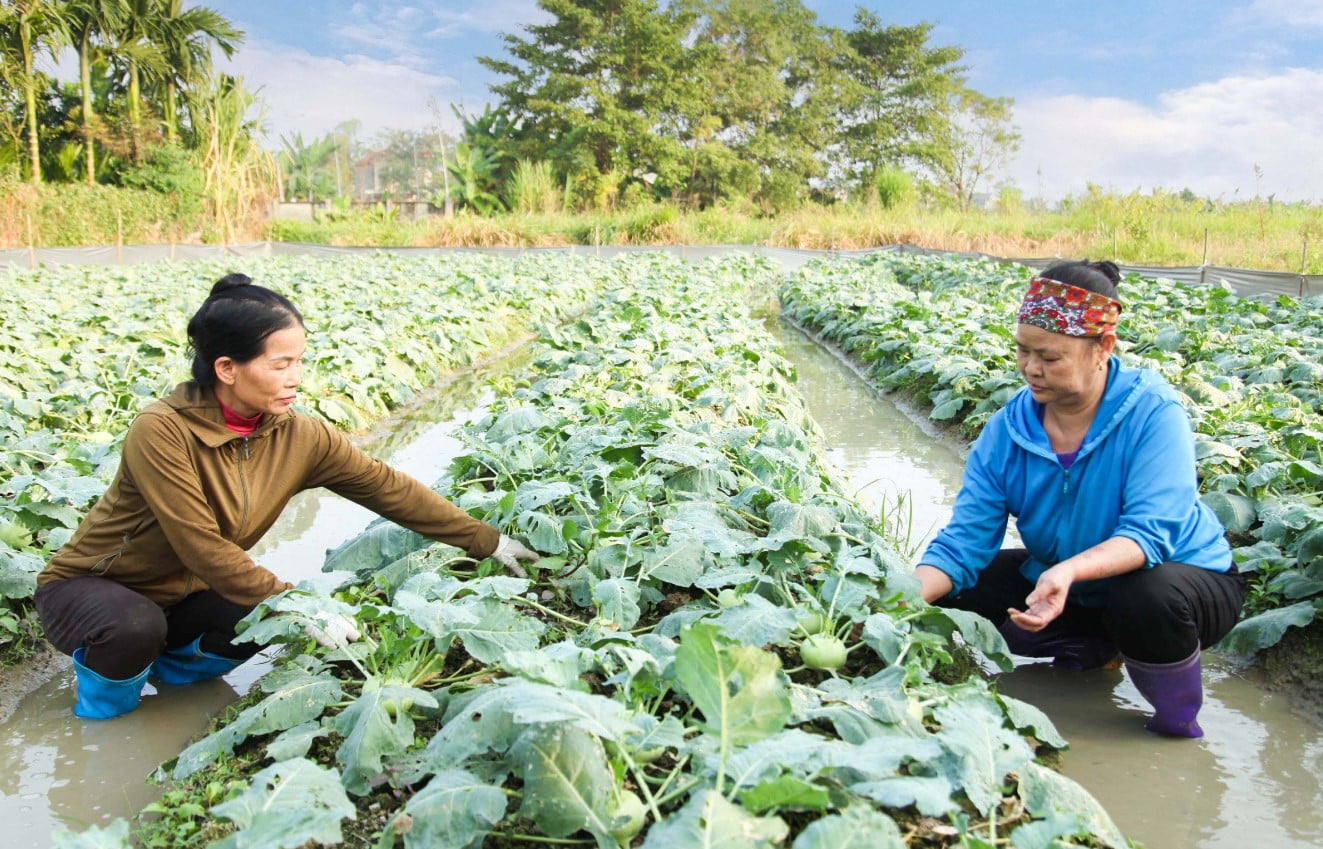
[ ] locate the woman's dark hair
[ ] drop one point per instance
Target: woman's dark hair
(234, 322)
(1101, 277)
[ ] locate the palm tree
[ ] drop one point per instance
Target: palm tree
(304, 165)
(30, 27)
(90, 24)
(136, 50)
(184, 37)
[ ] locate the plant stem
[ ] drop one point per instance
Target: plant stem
(546, 610)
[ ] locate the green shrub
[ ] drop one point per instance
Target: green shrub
(895, 187)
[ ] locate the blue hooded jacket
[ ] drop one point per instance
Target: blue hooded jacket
(1134, 477)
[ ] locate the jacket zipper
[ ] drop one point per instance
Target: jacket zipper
(243, 485)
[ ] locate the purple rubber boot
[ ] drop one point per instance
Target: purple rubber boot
(1176, 691)
(1067, 650)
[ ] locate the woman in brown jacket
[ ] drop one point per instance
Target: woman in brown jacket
(157, 575)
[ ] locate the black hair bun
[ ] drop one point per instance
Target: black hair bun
(1110, 269)
(230, 281)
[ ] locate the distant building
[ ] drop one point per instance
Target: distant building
(367, 177)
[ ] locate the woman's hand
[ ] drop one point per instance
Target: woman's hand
(332, 630)
(510, 552)
(1047, 600)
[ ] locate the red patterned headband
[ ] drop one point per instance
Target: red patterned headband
(1071, 310)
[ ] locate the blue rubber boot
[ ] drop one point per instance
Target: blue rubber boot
(1067, 650)
(100, 697)
(190, 663)
(1176, 691)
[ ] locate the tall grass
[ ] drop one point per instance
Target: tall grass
(1157, 229)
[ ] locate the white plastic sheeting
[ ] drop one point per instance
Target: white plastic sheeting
(1243, 281)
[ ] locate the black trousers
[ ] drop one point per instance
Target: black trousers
(123, 631)
(1158, 615)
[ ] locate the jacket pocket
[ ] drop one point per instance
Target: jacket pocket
(103, 565)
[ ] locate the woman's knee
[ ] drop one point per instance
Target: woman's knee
(1146, 596)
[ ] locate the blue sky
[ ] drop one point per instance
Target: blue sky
(1127, 94)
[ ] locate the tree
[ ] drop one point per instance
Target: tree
(185, 37)
(898, 110)
(475, 179)
(305, 166)
(410, 162)
(90, 24)
(771, 92)
(982, 139)
(603, 77)
(135, 48)
(30, 28)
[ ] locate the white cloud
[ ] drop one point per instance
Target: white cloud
(1208, 137)
(312, 94)
(1295, 13)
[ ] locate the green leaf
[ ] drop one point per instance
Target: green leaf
(1046, 792)
(593, 714)
(373, 728)
(496, 629)
(785, 792)
(567, 781)
(1237, 513)
(755, 621)
(455, 809)
(708, 821)
(285, 806)
(680, 562)
(1259, 632)
(984, 750)
(1024, 715)
(381, 544)
(618, 601)
(929, 794)
(740, 690)
(113, 836)
(976, 631)
(559, 664)
(1044, 833)
(857, 827)
(1295, 585)
(947, 409)
(295, 742)
(300, 697)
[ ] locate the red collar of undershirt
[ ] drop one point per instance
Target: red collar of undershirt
(242, 425)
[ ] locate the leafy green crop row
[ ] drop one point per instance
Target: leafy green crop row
(722, 649)
(82, 349)
(1251, 371)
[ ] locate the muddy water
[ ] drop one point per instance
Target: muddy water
(58, 771)
(1254, 780)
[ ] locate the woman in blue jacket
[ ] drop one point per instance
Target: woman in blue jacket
(1095, 461)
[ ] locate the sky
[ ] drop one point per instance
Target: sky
(1224, 97)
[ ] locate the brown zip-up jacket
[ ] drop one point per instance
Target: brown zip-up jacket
(192, 496)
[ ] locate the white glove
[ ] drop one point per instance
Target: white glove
(510, 551)
(333, 630)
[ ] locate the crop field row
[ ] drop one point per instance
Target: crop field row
(942, 331)
(722, 648)
(84, 348)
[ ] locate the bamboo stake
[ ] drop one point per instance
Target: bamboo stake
(32, 248)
